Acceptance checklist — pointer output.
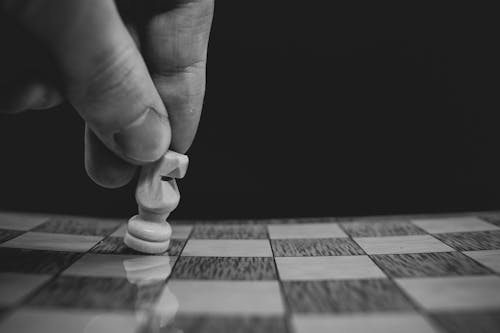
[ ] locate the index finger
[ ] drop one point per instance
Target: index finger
(176, 53)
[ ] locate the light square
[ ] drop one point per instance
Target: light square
(132, 267)
(54, 242)
(489, 258)
(49, 321)
(262, 298)
(454, 293)
(401, 244)
(305, 230)
(454, 224)
(228, 248)
(327, 268)
(12, 221)
(14, 287)
(363, 323)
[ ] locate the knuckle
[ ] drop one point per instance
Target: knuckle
(111, 80)
(113, 70)
(190, 93)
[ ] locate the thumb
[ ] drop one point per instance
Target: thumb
(105, 77)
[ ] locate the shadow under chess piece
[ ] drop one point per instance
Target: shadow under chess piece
(157, 195)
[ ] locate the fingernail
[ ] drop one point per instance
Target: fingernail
(146, 139)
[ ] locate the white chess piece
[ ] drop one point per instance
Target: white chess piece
(156, 195)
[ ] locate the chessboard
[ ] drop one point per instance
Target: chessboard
(385, 274)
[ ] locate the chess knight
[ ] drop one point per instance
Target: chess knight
(157, 195)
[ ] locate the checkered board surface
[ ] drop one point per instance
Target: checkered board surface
(385, 274)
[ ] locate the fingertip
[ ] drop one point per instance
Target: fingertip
(183, 97)
(181, 144)
(145, 140)
(103, 166)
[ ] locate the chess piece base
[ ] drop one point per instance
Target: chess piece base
(145, 246)
(144, 229)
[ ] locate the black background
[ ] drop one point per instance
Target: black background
(310, 110)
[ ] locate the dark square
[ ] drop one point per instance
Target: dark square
(229, 231)
(428, 264)
(380, 228)
(225, 268)
(176, 246)
(221, 324)
(369, 295)
(471, 241)
(78, 226)
(465, 322)
(6, 234)
(115, 245)
(315, 247)
(35, 261)
(96, 293)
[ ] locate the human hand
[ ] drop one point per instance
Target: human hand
(134, 71)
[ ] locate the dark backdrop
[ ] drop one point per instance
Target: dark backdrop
(310, 110)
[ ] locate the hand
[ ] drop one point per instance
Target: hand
(134, 71)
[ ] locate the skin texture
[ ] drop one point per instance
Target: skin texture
(135, 74)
